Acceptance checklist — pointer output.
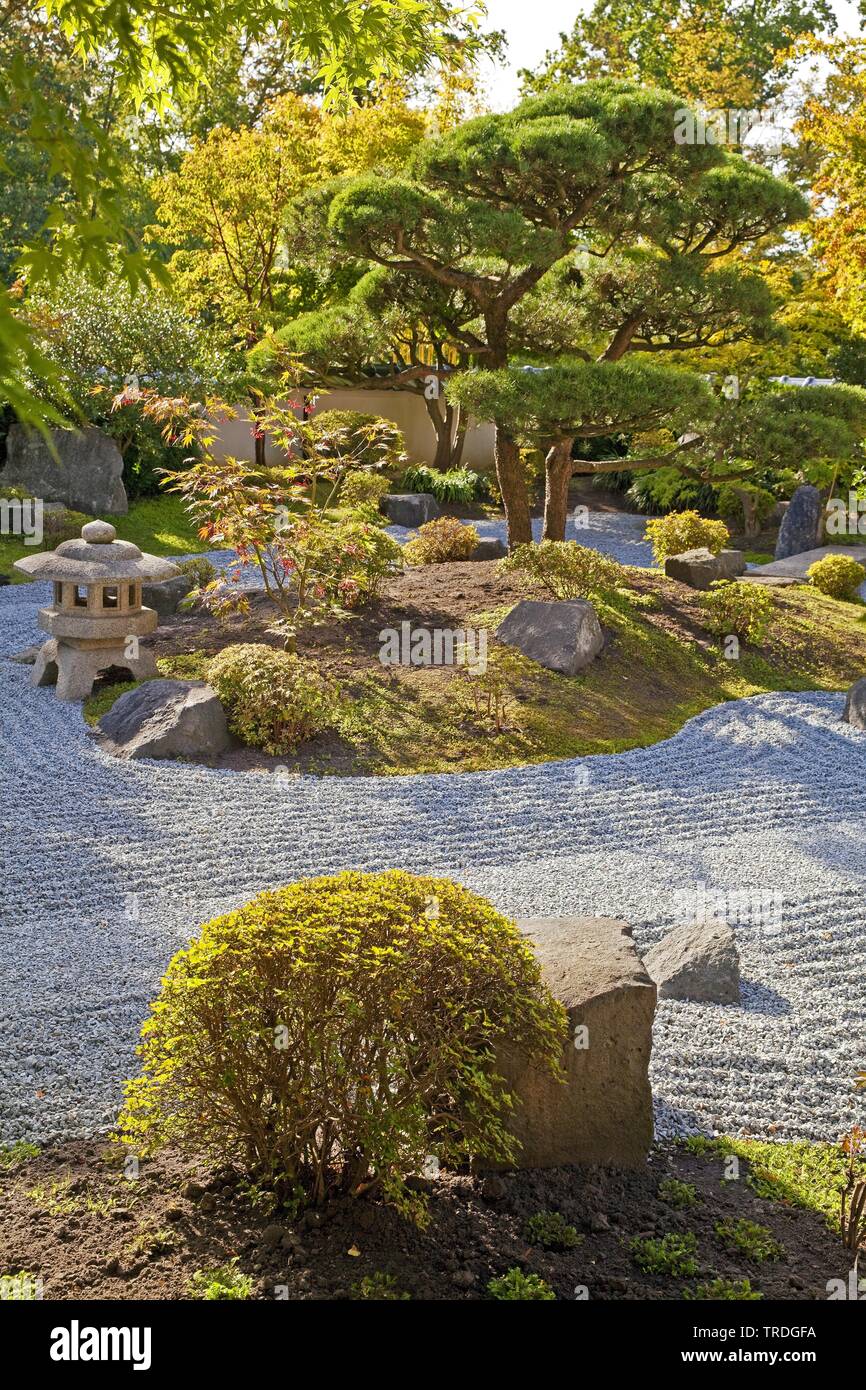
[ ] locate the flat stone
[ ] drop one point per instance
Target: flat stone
(562, 635)
(801, 525)
(796, 567)
(603, 1111)
(698, 568)
(855, 704)
(166, 719)
(410, 509)
(771, 581)
(489, 548)
(86, 474)
(698, 961)
(166, 595)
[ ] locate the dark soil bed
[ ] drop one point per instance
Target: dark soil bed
(70, 1216)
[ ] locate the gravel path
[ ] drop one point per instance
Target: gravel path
(620, 534)
(108, 867)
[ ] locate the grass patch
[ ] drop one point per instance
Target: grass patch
(749, 1238)
(798, 1174)
(14, 1156)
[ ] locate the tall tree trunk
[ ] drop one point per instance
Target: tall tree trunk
(459, 437)
(511, 476)
(557, 476)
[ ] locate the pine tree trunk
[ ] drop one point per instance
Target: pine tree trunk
(511, 477)
(557, 476)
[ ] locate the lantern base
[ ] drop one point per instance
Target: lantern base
(73, 669)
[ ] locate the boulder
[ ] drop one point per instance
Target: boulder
(166, 595)
(698, 961)
(86, 475)
(489, 548)
(166, 719)
(603, 1111)
(410, 509)
(563, 634)
(855, 704)
(700, 568)
(801, 525)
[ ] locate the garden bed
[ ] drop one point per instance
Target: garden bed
(659, 668)
(70, 1216)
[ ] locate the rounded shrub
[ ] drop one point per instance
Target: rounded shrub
(199, 569)
(336, 1033)
(679, 531)
(738, 610)
(437, 541)
(839, 576)
(565, 569)
(363, 489)
(273, 699)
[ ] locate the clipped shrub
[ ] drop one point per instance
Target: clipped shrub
(365, 439)
(65, 525)
(199, 569)
(565, 569)
(335, 1033)
(460, 485)
(517, 1286)
(679, 531)
(740, 610)
(437, 541)
(273, 700)
(363, 489)
(838, 576)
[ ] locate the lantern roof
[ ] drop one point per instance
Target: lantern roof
(96, 557)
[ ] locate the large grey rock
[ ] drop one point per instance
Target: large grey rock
(855, 704)
(699, 961)
(700, 568)
(166, 595)
(410, 508)
(489, 548)
(86, 475)
(166, 719)
(801, 525)
(563, 635)
(602, 1113)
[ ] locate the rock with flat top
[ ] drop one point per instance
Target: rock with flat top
(700, 568)
(602, 1112)
(410, 509)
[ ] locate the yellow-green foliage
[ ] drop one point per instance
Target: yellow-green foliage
(565, 569)
(199, 569)
(679, 531)
(446, 538)
(838, 576)
(273, 699)
(739, 610)
(340, 1030)
(517, 1287)
(363, 489)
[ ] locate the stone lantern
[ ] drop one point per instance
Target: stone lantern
(96, 618)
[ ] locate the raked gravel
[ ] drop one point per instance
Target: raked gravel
(108, 867)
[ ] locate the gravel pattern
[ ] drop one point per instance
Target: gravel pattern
(619, 534)
(109, 866)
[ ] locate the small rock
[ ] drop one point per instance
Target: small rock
(207, 1203)
(192, 1190)
(464, 1278)
(174, 1213)
(598, 1222)
(493, 1189)
(112, 1265)
(272, 1235)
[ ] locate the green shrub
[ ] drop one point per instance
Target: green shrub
(363, 489)
(15, 1155)
(678, 1194)
(750, 1238)
(742, 610)
(65, 525)
(379, 1287)
(721, 1289)
(441, 540)
(839, 576)
(565, 569)
(460, 485)
(734, 499)
(199, 569)
(367, 440)
(338, 1031)
(673, 1254)
(551, 1231)
(273, 700)
(226, 1282)
(679, 531)
(515, 1285)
